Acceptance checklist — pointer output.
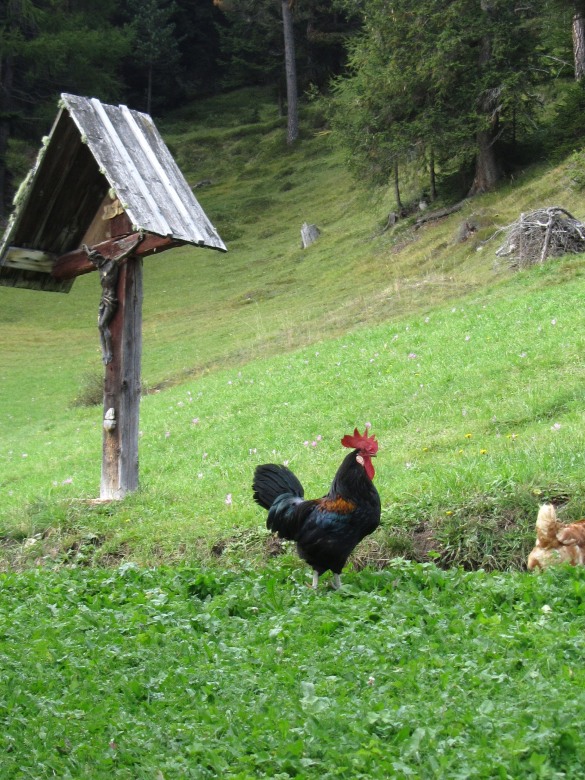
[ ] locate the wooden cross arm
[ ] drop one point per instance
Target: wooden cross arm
(77, 263)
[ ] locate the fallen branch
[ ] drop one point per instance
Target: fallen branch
(439, 214)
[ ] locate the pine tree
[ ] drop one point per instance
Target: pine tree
(17, 19)
(156, 49)
(48, 47)
(292, 110)
(443, 80)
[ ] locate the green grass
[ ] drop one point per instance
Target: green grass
(477, 407)
(166, 636)
(472, 390)
(186, 673)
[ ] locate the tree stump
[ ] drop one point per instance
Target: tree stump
(309, 234)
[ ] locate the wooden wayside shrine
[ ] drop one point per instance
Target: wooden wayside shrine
(104, 193)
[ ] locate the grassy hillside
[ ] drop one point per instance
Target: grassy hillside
(471, 376)
(222, 663)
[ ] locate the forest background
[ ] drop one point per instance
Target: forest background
(463, 91)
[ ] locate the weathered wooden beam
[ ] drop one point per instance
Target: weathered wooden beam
(76, 263)
(28, 259)
(122, 387)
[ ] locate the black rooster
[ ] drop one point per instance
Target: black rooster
(326, 529)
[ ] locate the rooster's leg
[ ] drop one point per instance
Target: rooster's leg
(315, 584)
(336, 582)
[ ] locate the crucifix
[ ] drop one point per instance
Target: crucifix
(103, 194)
(118, 262)
(109, 271)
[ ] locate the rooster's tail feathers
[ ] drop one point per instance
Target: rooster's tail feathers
(271, 481)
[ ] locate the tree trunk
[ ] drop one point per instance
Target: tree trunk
(432, 176)
(397, 187)
(149, 89)
(487, 167)
(578, 27)
(291, 74)
(6, 82)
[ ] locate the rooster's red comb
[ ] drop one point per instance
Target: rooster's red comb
(362, 442)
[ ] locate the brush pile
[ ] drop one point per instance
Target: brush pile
(540, 234)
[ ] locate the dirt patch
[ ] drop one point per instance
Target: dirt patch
(252, 541)
(424, 542)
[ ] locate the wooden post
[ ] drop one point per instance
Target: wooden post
(122, 387)
(122, 377)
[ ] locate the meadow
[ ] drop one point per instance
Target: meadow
(476, 404)
(413, 672)
(176, 613)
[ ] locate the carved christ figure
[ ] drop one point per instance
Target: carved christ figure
(109, 271)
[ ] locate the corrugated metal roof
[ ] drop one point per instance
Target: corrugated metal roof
(93, 148)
